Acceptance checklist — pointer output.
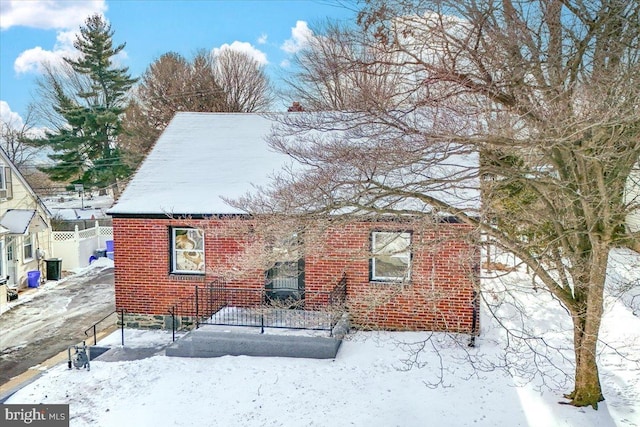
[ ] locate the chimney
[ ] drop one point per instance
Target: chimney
(295, 107)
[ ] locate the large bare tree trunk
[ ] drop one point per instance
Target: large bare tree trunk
(587, 317)
(587, 391)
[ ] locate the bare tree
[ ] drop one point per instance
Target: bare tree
(244, 81)
(15, 138)
(170, 84)
(545, 91)
(341, 71)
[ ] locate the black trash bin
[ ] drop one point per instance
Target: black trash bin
(54, 268)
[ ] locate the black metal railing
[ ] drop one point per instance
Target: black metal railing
(218, 304)
(95, 325)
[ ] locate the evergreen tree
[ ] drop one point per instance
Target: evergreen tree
(86, 148)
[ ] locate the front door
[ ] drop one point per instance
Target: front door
(11, 261)
(285, 281)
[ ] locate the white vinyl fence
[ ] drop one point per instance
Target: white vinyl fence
(75, 248)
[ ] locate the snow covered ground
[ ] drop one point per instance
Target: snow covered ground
(378, 379)
(82, 274)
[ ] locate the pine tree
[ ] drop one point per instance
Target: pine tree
(86, 149)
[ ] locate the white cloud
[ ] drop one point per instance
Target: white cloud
(48, 14)
(300, 35)
(245, 47)
(31, 60)
(285, 63)
(262, 39)
(9, 117)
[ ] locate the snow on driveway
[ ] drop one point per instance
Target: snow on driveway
(46, 320)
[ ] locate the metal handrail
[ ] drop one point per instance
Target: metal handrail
(95, 340)
(216, 296)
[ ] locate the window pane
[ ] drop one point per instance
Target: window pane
(189, 239)
(390, 243)
(391, 255)
(27, 248)
(189, 261)
(390, 267)
(188, 250)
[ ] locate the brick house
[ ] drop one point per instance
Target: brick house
(173, 231)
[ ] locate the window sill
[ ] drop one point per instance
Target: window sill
(390, 282)
(196, 277)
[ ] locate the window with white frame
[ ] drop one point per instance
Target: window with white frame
(27, 247)
(5, 182)
(390, 256)
(187, 250)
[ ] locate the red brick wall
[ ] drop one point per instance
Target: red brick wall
(439, 295)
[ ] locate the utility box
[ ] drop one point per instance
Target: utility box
(54, 268)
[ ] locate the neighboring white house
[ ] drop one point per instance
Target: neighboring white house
(633, 197)
(25, 227)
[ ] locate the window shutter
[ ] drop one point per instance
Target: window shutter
(8, 183)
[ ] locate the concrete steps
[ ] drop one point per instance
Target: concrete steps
(211, 342)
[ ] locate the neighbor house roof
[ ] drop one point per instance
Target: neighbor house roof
(18, 221)
(4, 159)
(199, 159)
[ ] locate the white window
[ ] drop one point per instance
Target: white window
(5, 182)
(187, 251)
(390, 256)
(27, 248)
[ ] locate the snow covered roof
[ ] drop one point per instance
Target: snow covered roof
(198, 159)
(203, 158)
(69, 214)
(17, 221)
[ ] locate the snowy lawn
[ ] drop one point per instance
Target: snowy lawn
(370, 383)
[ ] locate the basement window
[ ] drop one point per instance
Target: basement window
(390, 256)
(187, 251)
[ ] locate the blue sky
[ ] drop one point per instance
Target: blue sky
(32, 31)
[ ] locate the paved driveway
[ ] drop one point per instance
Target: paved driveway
(55, 318)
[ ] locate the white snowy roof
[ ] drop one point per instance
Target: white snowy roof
(68, 214)
(202, 158)
(198, 159)
(17, 221)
